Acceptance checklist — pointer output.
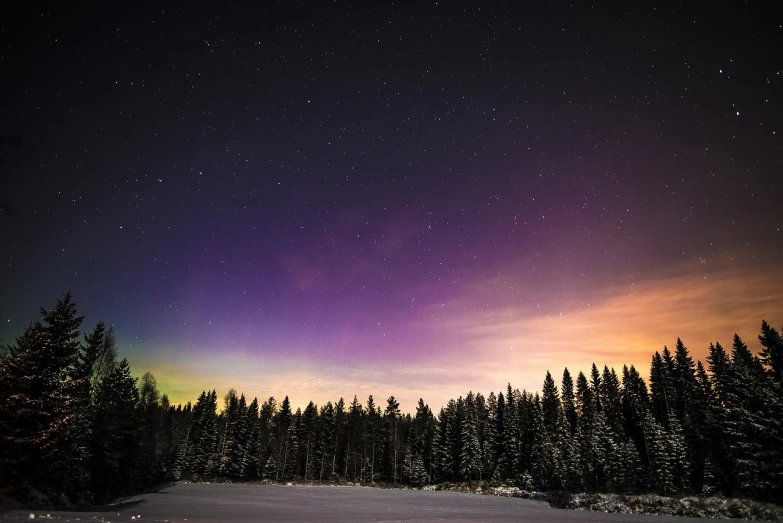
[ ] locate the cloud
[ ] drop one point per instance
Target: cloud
(481, 339)
(621, 325)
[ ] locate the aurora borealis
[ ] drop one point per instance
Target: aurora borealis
(329, 199)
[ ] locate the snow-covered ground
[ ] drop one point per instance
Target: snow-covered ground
(245, 503)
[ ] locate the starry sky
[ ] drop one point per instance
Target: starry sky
(324, 199)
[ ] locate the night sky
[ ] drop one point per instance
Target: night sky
(324, 199)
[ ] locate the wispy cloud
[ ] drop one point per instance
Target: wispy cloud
(480, 340)
(697, 303)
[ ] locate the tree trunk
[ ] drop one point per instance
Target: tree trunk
(307, 460)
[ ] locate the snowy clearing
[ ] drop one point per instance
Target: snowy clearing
(245, 503)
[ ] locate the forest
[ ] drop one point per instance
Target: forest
(77, 425)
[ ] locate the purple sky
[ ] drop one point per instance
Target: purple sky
(329, 200)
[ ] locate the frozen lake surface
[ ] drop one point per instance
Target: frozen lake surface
(328, 504)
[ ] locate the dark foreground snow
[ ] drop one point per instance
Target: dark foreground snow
(244, 503)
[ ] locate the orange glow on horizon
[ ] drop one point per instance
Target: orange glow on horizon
(483, 350)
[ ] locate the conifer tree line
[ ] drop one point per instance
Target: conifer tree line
(74, 420)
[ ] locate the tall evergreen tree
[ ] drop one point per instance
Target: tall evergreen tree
(327, 441)
(355, 441)
(203, 455)
(751, 426)
(278, 457)
(544, 459)
(568, 398)
(550, 402)
(115, 442)
(470, 448)
(635, 403)
(251, 448)
(611, 399)
(42, 412)
(391, 419)
(595, 388)
(772, 350)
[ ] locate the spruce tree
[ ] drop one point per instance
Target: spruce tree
(251, 448)
(772, 350)
(423, 431)
(502, 466)
(355, 448)
(282, 420)
(371, 433)
(568, 399)
(327, 440)
(751, 426)
(148, 463)
(444, 442)
(470, 449)
(203, 454)
(595, 387)
(489, 436)
(544, 459)
(512, 435)
(307, 435)
(567, 452)
(46, 396)
(550, 402)
(267, 464)
(340, 456)
(611, 398)
(661, 392)
(115, 444)
(661, 466)
(635, 403)
(391, 420)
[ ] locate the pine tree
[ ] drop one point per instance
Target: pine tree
(281, 421)
(611, 399)
(234, 435)
(661, 468)
(550, 402)
(567, 451)
(266, 429)
(512, 435)
(147, 465)
(115, 442)
(371, 435)
(340, 456)
(251, 448)
(327, 439)
(391, 419)
(355, 447)
(544, 465)
(595, 387)
(750, 423)
(718, 365)
(43, 410)
(690, 411)
(635, 403)
(661, 390)
(585, 403)
(293, 446)
(203, 455)
(470, 449)
(502, 466)
(424, 426)
(569, 404)
(445, 442)
(307, 435)
(772, 350)
(489, 436)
